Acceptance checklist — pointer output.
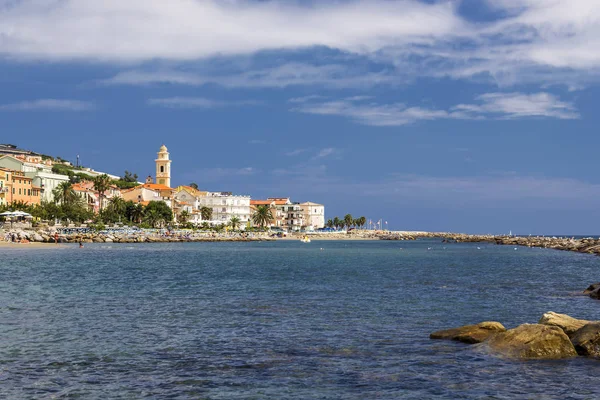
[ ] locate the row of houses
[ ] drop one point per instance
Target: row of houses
(28, 178)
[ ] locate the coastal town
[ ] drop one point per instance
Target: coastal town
(30, 180)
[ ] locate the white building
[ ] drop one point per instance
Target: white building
(294, 217)
(187, 198)
(225, 206)
(314, 215)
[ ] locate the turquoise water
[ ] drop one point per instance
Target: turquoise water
(325, 320)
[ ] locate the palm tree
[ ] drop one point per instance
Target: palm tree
(183, 217)
(64, 193)
(235, 223)
(329, 223)
(137, 213)
(362, 221)
(118, 205)
(348, 220)
(101, 185)
(262, 216)
(336, 222)
(206, 213)
(153, 217)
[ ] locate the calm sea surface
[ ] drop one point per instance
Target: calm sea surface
(325, 320)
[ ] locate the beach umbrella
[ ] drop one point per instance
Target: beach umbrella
(21, 214)
(6, 214)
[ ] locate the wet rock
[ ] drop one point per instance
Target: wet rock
(593, 291)
(587, 340)
(470, 333)
(531, 341)
(568, 324)
(591, 288)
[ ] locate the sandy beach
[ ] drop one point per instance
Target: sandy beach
(31, 245)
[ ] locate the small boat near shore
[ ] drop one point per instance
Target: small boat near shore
(305, 239)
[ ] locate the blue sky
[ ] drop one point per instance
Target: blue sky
(473, 116)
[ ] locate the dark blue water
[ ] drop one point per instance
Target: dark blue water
(282, 320)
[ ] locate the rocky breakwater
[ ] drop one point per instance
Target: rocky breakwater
(555, 336)
(400, 235)
(583, 245)
(51, 236)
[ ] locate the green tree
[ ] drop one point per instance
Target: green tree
(134, 212)
(129, 177)
(348, 220)
(157, 214)
(329, 223)
(262, 216)
(337, 223)
(183, 217)
(206, 213)
(235, 223)
(118, 205)
(194, 185)
(76, 211)
(64, 193)
(361, 221)
(101, 185)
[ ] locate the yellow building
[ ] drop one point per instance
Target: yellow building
(15, 186)
(4, 187)
(163, 167)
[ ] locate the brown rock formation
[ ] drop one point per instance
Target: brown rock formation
(587, 340)
(568, 324)
(470, 333)
(532, 341)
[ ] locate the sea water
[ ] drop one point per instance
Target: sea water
(283, 320)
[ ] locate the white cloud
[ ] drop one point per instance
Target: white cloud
(195, 102)
(489, 106)
(519, 105)
(538, 41)
(48, 105)
(137, 30)
(295, 152)
(326, 152)
(279, 76)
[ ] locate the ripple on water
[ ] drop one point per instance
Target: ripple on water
(281, 320)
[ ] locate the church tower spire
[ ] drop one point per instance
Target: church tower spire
(163, 167)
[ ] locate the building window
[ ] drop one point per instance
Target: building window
(162, 168)
(28, 192)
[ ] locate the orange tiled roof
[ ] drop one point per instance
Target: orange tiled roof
(151, 186)
(155, 186)
(260, 202)
(267, 202)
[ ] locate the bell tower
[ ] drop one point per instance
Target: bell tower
(163, 167)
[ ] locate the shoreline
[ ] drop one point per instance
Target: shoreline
(45, 238)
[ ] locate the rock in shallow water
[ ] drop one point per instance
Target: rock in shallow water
(593, 291)
(470, 333)
(568, 324)
(531, 341)
(587, 340)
